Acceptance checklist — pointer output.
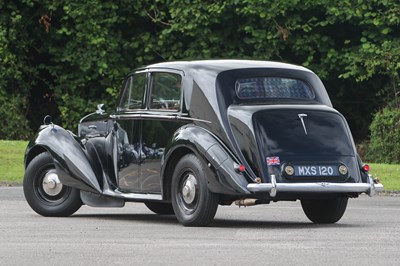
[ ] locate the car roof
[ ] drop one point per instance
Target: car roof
(204, 73)
(218, 66)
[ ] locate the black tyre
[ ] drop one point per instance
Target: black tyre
(324, 211)
(194, 204)
(160, 207)
(44, 192)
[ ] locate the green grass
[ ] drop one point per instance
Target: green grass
(12, 166)
(12, 161)
(388, 174)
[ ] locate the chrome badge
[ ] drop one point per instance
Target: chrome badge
(301, 116)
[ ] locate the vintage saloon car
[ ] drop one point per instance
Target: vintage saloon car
(188, 136)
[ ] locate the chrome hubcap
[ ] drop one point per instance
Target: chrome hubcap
(51, 184)
(189, 189)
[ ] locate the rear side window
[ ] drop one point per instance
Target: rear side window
(273, 88)
(165, 91)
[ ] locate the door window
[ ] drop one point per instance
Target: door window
(134, 92)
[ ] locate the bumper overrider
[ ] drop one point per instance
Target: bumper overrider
(370, 188)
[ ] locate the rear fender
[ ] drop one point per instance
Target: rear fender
(205, 145)
(73, 166)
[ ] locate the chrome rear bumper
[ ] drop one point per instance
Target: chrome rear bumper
(272, 188)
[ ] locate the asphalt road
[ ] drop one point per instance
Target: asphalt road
(275, 234)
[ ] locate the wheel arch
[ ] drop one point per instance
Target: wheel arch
(219, 162)
(174, 158)
(72, 163)
(32, 153)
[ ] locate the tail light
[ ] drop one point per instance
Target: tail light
(366, 168)
(239, 168)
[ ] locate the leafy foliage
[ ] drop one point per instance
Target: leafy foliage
(352, 45)
(385, 137)
(63, 57)
(16, 126)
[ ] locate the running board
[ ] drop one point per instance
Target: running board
(115, 198)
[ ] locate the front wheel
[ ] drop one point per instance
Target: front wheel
(194, 204)
(45, 193)
(324, 211)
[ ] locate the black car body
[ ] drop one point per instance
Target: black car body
(187, 136)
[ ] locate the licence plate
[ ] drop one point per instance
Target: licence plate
(316, 170)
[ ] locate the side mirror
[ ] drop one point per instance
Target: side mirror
(99, 110)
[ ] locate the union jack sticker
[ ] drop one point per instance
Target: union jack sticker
(274, 160)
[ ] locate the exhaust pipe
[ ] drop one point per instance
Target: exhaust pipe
(245, 202)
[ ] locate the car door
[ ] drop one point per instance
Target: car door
(127, 149)
(164, 103)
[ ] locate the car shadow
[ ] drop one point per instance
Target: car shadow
(216, 223)
(148, 218)
(225, 223)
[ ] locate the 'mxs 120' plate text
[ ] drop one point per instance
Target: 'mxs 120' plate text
(316, 170)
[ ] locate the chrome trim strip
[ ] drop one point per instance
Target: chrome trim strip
(157, 117)
(369, 188)
(132, 196)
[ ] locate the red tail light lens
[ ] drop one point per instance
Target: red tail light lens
(239, 168)
(366, 167)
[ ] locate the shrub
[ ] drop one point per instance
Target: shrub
(16, 124)
(385, 136)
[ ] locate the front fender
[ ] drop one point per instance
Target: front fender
(73, 167)
(218, 158)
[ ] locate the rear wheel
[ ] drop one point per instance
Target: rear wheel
(324, 211)
(194, 204)
(160, 207)
(45, 193)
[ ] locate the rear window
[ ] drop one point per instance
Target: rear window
(273, 88)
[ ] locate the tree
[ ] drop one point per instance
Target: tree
(63, 57)
(352, 45)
